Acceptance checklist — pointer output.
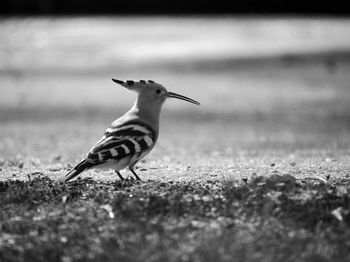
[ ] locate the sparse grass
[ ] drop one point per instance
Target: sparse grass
(264, 219)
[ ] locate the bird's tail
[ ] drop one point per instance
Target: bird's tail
(76, 170)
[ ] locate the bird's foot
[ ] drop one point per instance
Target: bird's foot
(120, 176)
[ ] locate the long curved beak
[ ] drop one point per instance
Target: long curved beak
(174, 95)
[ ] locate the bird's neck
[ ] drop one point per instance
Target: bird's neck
(144, 111)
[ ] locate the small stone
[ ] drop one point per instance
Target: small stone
(55, 168)
(57, 158)
(64, 199)
(63, 239)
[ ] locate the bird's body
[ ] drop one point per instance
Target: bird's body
(132, 136)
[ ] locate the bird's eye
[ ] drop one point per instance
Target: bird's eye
(158, 91)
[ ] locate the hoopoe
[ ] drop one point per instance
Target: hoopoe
(132, 136)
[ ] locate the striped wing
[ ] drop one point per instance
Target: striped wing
(122, 141)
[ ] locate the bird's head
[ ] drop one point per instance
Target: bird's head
(152, 92)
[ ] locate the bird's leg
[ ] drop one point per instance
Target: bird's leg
(120, 176)
(131, 168)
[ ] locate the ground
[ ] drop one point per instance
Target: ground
(259, 172)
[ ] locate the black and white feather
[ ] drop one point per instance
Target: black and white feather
(120, 147)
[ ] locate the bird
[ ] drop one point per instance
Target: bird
(133, 135)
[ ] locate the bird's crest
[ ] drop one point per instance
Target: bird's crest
(137, 86)
(130, 83)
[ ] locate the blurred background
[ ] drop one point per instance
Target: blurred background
(271, 77)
